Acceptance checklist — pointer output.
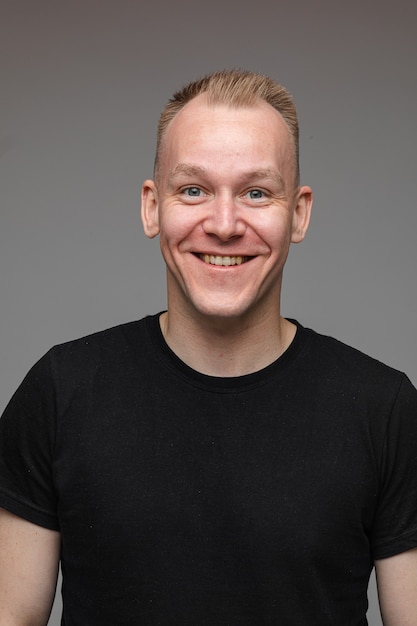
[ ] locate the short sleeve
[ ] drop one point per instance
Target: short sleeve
(27, 437)
(395, 525)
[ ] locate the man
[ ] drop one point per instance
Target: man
(215, 464)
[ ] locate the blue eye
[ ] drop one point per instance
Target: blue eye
(192, 192)
(255, 194)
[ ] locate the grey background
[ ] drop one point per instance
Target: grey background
(82, 85)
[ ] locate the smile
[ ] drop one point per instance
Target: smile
(223, 260)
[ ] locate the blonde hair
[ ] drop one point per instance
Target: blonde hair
(236, 88)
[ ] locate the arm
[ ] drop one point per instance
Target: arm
(397, 588)
(29, 558)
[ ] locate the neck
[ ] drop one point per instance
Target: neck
(227, 347)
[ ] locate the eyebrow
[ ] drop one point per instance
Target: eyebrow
(196, 170)
(188, 170)
(270, 173)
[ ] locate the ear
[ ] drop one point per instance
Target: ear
(149, 209)
(301, 215)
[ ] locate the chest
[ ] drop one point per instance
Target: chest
(273, 466)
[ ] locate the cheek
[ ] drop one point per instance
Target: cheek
(172, 237)
(177, 228)
(275, 233)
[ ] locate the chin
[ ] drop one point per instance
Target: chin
(223, 311)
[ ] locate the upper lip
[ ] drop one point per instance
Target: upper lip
(223, 254)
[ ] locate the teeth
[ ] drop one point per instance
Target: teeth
(223, 260)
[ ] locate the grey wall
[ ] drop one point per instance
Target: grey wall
(82, 85)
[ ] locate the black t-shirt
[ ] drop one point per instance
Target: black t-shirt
(189, 499)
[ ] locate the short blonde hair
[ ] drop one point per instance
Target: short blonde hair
(236, 88)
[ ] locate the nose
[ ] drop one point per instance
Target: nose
(224, 219)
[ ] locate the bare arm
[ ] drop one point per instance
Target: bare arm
(397, 588)
(29, 558)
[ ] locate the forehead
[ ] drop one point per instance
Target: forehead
(201, 128)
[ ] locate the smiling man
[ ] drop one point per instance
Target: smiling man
(215, 463)
(227, 205)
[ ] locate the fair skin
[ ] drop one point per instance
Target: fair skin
(397, 588)
(29, 559)
(226, 208)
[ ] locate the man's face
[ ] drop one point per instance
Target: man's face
(225, 206)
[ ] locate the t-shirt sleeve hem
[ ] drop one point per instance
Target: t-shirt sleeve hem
(28, 512)
(396, 546)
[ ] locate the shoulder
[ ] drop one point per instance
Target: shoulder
(103, 351)
(337, 353)
(102, 338)
(345, 365)
(111, 340)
